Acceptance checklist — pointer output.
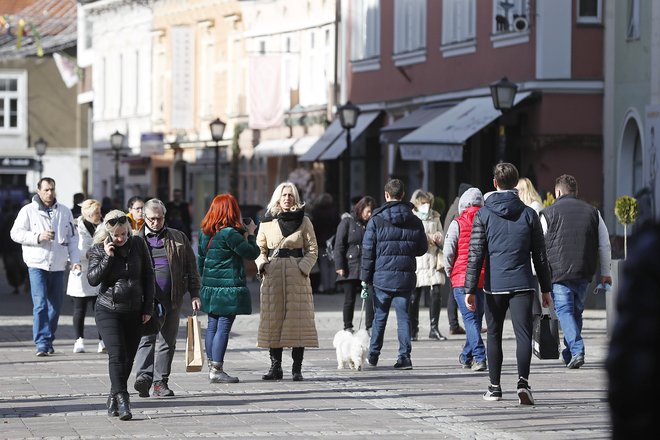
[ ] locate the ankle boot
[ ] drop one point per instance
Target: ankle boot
(434, 314)
(297, 354)
(113, 410)
(123, 406)
(275, 372)
(218, 375)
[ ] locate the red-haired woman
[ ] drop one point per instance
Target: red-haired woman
(224, 241)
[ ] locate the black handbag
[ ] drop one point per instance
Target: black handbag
(545, 337)
(157, 320)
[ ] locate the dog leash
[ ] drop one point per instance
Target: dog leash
(364, 294)
(361, 315)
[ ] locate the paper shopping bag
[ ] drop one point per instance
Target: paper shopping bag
(194, 357)
(545, 337)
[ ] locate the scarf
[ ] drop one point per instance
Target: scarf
(91, 227)
(288, 221)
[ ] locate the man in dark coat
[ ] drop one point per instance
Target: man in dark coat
(577, 240)
(394, 237)
(504, 233)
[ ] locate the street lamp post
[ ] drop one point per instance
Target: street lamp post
(348, 115)
(40, 146)
(217, 131)
(116, 142)
(503, 93)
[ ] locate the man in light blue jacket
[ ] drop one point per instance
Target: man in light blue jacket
(46, 232)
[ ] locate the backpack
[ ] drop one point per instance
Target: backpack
(329, 248)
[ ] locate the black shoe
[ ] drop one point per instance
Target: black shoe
(113, 410)
(435, 334)
(415, 335)
(524, 393)
(403, 364)
(297, 375)
(493, 393)
(142, 386)
(124, 406)
(275, 373)
(161, 390)
(372, 360)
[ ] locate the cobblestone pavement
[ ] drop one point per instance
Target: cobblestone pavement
(63, 395)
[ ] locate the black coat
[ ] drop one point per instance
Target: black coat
(504, 233)
(126, 284)
(348, 247)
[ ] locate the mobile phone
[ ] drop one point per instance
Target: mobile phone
(247, 220)
(108, 240)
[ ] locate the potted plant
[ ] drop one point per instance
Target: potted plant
(625, 209)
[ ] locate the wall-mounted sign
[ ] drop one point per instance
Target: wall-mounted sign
(17, 163)
(151, 144)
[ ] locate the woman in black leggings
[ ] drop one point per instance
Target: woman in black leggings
(120, 263)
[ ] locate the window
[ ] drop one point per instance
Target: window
(12, 102)
(633, 20)
(409, 25)
(458, 21)
(510, 16)
(638, 165)
(589, 11)
(365, 24)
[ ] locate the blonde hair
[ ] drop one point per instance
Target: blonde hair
(104, 232)
(419, 197)
(88, 207)
(274, 207)
(527, 192)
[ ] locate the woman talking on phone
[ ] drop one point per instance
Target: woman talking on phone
(224, 242)
(121, 265)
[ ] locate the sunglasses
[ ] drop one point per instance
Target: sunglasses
(117, 220)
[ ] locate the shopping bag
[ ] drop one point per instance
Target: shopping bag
(545, 337)
(194, 358)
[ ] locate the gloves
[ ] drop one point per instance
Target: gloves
(365, 292)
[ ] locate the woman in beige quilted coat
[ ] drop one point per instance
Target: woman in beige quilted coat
(288, 252)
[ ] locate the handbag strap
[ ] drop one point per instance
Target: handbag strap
(208, 245)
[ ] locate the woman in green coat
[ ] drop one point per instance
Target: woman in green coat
(224, 241)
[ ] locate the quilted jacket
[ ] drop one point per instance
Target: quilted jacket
(287, 305)
(220, 263)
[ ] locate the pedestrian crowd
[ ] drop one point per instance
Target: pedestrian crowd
(497, 253)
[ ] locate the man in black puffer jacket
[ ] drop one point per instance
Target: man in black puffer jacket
(504, 233)
(394, 237)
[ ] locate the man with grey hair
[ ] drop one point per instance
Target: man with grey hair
(176, 273)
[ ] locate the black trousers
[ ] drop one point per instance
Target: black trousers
(352, 289)
(121, 333)
(520, 306)
(80, 312)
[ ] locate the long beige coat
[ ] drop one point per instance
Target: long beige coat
(287, 305)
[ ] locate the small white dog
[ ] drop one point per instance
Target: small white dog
(352, 349)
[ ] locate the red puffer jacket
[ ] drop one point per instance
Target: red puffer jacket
(462, 247)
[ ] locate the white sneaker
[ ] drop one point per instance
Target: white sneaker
(79, 346)
(101, 348)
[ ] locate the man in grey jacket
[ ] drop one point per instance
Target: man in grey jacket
(45, 230)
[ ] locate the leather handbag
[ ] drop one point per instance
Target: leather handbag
(194, 358)
(545, 337)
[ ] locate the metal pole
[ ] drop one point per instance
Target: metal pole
(501, 145)
(117, 175)
(41, 168)
(347, 170)
(215, 168)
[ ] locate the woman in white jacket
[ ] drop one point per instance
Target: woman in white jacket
(429, 275)
(78, 287)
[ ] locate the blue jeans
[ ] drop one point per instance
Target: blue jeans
(382, 302)
(47, 295)
(474, 348)
(568, 298)
(217, 336)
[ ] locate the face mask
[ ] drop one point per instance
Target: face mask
(424, 210)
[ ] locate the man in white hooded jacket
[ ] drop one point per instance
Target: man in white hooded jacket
(45, 230)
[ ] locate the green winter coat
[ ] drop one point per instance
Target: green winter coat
(220, 264)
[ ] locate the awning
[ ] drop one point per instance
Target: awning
(458, 124)
(391, 134)
(339, 145)
(329, 136)
(303, 144)
(275, 147)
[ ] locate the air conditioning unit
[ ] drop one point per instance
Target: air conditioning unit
(520, 24)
